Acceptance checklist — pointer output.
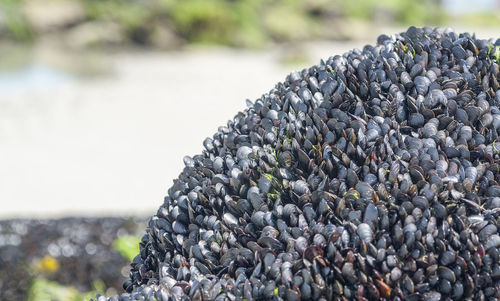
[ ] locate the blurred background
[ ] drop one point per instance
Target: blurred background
(101, 99)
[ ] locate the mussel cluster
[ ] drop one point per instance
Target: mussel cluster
(373, 175)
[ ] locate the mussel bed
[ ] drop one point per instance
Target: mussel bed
(373, 175)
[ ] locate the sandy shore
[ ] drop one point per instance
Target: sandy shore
(113, 145)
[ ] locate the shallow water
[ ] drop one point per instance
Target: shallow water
(35, 77)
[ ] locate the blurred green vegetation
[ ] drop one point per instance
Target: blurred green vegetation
(15, 23)
(42, 290)
(399, 12)
(241, 23)
(487, 19)
(127, 246)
